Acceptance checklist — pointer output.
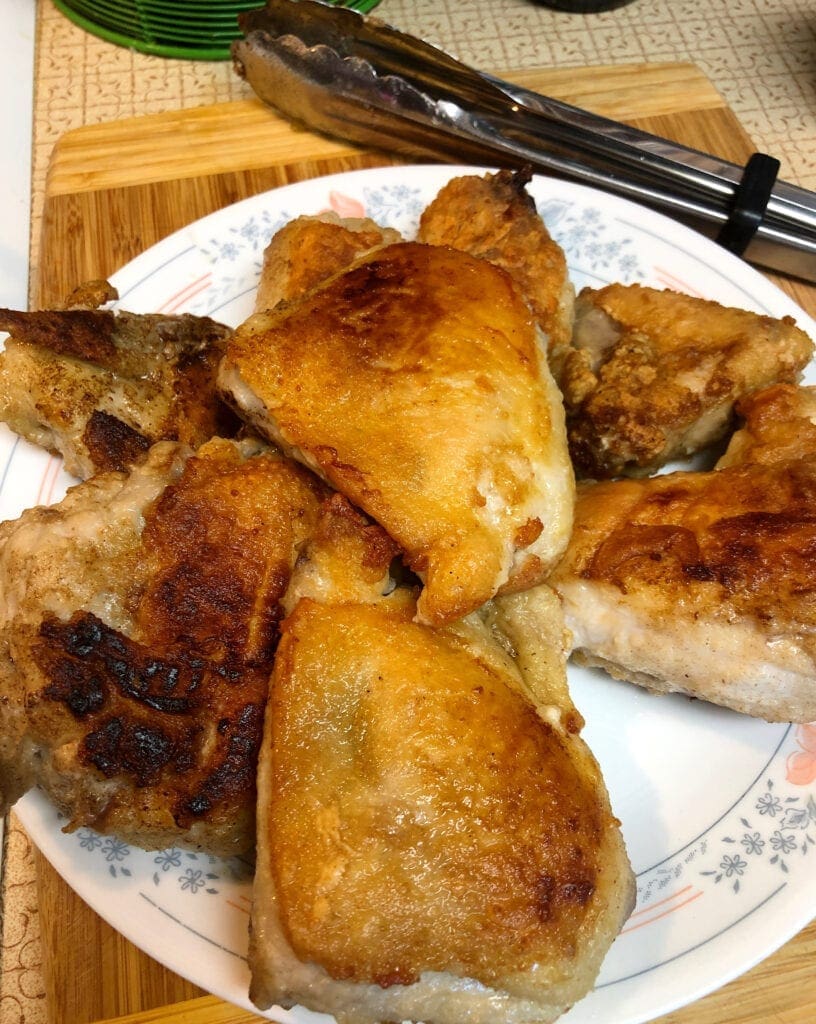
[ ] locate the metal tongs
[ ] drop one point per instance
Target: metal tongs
(357, 78)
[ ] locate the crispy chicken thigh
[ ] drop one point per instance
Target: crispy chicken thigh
(705, 583)
(435, 841)
(416, 384)
(494, 217)
(654, 375)
(308, 250)
(101, 387)
(138, 623)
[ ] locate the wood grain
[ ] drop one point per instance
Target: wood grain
(242, 135)
(113, 190)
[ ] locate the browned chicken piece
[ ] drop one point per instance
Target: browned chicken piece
(347, 559)
(100, 387)
(307, 250)
(494, 217)
(779, 425)
(416, 385)
(138, 623)
(435, 841)
(91, 295)
(703, 583)
(654, 375)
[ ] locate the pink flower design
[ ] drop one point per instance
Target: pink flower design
(801, 765)
(345, 206)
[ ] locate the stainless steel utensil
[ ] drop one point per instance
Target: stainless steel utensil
(357, 78)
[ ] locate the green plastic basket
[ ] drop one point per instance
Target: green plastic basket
(186, 29)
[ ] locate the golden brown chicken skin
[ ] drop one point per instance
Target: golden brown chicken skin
(427, 811)
(494, 217)
(308, 250)
(778, 425)
(654, 375)
(140, 618)
(703, 583)
(100, 387)
(416, 385)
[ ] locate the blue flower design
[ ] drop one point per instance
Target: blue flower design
(115, 850)
(252, 231)
(629, 266)
(229, 251)
(782, 843)
(585, 237)
(769, 804)
(733, 865)
(168, 859)
(192, 880)
(90, 841)
(753, 842)
(577, 236)
(385, 205)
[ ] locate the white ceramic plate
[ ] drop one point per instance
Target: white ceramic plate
(718, 810)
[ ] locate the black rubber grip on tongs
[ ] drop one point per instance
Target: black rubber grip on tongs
(750, 202)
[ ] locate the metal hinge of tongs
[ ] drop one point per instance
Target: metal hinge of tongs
(356, 78)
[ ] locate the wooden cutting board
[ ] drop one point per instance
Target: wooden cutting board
(115, 189)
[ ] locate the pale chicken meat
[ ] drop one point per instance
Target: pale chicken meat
(705, 583)
(653, 375)
(138, 623)
(308, 250)
(100, 387)
(494, 217)
(435, 841)
(416, 384)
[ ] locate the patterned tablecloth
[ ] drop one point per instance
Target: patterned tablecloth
(760, 54)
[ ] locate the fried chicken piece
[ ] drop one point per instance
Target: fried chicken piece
(494, 217)
(654, 375)
(416, 385)
(307, 250)
(435, 840)
(705, 583)
(347, 559)
(91, 295)
(138, 623)
(101, 387)
(779, 425)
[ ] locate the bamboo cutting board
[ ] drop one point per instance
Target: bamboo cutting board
(115, 189)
